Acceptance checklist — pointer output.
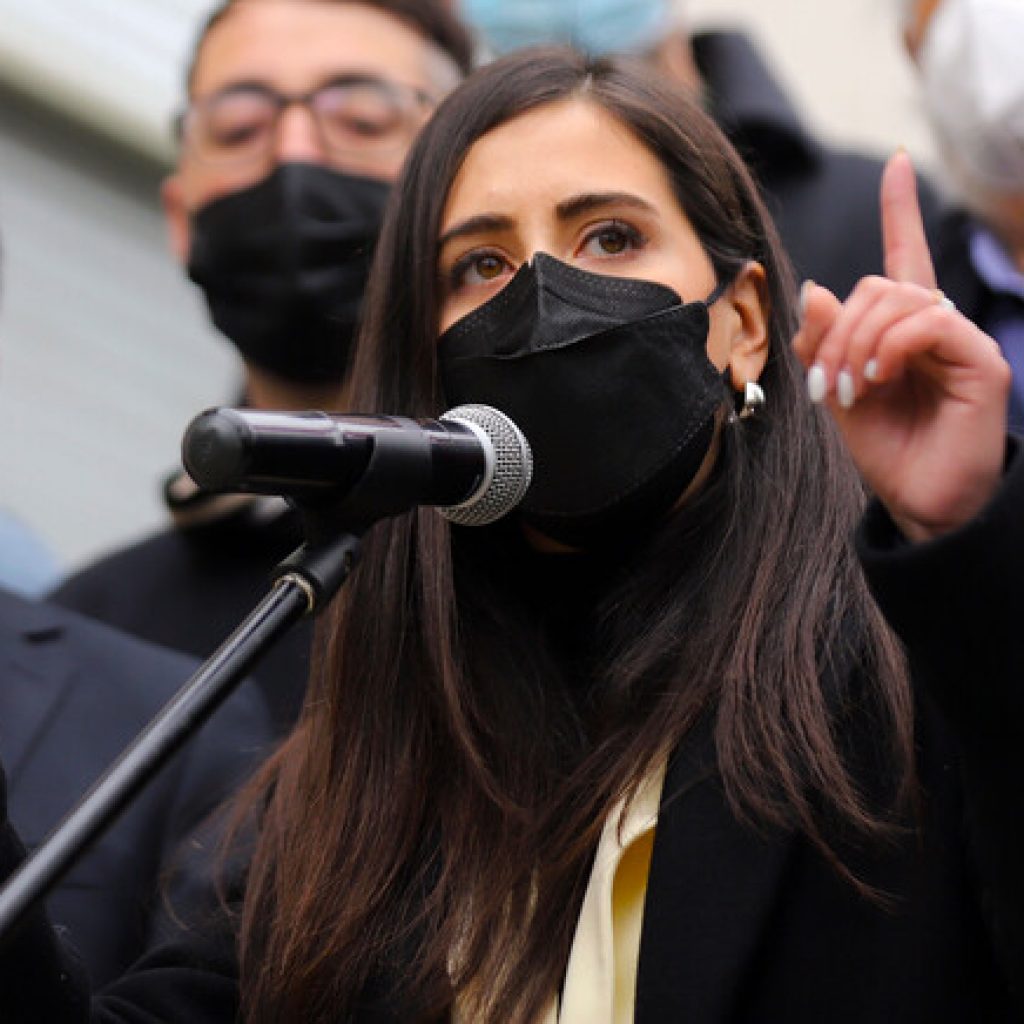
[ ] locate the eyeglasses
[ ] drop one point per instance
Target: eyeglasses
(353, 115)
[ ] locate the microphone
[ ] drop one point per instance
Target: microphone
(473, 462)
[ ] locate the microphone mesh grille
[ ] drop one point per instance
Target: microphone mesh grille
(513, 467)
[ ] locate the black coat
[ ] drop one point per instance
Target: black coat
(73, 694)
(188, 587)
(746, 927)
(825, 201)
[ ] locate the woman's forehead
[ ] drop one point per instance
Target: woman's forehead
(561, 148)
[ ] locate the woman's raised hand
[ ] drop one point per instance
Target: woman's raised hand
(919, 393)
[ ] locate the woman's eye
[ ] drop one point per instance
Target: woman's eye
(612, 240)
(487, 268)
(478, 268)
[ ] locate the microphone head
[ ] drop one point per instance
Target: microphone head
(214, 449)
(512, 466)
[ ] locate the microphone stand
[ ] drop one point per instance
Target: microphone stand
(304, 584)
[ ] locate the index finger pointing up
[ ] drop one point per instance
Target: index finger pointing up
(906, 249)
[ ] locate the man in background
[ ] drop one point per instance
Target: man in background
(300, 113)
(824, 201)
(73, 695)
(967, 54)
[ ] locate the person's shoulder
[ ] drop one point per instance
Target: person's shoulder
(755, 108)
(72, 679)
(862, 171)
(133, 587)
(119, 682)
(100, 651)
(165, 547)
(856, 166)
(181, 558)
(145, 675)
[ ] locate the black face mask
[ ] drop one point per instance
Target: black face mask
(609, 380)
(284, 265)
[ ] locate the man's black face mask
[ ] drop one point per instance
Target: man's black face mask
(284, 265)
(609, 380)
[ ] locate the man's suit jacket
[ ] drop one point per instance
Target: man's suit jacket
(73, 694)
(187, 587)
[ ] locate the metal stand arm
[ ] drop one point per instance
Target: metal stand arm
(307, 580)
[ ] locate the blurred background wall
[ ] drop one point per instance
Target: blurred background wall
(105, 353)
(104, 348)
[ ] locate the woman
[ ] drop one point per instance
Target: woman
(647, 750)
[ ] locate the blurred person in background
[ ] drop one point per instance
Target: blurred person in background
(824, 200)
(967, 54)
(299, 116)
(27, 566)
(74, 694)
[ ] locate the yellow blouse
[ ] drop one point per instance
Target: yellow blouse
(600, 979)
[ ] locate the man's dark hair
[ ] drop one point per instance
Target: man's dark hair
(431, 18)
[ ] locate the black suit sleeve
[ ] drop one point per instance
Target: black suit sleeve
(193, 981)
(956, 603)
(39, 978)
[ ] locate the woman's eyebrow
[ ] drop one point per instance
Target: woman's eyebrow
(482, 222)
(590, 201)
(565, 210)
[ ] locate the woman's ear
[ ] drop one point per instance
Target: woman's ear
(748, 325)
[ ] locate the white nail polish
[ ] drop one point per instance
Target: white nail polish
(845, 390)
(805, 290)
(817, 383)
(871, 369)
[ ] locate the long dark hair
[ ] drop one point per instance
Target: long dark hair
(433, 819)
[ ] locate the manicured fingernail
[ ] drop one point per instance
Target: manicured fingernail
(817, 383)
(845, 390)
(904, 152)
(805, 290)
(871, 369)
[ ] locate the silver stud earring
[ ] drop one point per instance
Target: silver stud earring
(753, 399)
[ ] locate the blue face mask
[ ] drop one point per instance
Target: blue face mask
(595, 27)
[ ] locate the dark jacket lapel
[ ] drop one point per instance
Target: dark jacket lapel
(711, 888)
(36, 673)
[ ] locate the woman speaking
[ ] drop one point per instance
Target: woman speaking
(692, 735)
